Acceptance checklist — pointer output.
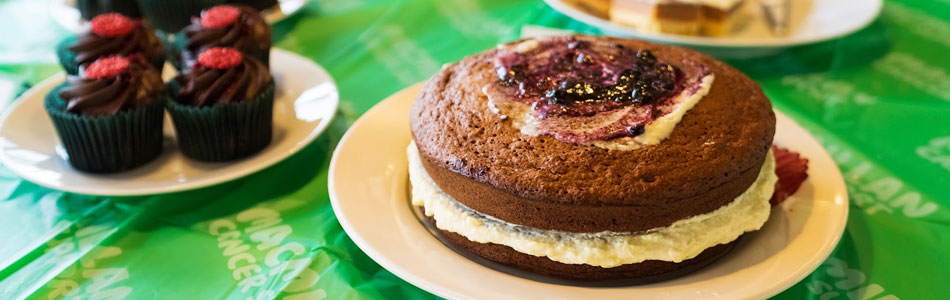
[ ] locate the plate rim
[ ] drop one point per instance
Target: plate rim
(820, 254)
(711, 42)
(49, 82)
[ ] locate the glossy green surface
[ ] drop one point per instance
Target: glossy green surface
(879, 100)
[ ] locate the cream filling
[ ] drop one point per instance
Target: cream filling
(682, 240)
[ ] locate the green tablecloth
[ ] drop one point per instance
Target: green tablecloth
(879, 100)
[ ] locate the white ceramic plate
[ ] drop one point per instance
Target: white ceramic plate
(305, 103)
(369, 196)
(66, 14)
(811, 21)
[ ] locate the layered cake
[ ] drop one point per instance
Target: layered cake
(689, 17)
(592, 158)
(686, 17)
(599, 8)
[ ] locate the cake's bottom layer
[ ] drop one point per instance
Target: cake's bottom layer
(630, 274)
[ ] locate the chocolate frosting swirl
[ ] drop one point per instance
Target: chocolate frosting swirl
(249, 34)
(133, 88)
(204, 86)
(90, 46)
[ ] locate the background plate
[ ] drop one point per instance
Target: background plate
(305, 103)
(369, 197)
(812, 21)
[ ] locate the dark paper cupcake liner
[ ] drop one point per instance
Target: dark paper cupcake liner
(180, 43)
(67, 58)
(158, 61)
(88, 9)
(111, 143)
(173, 52)
(173, 15)
(223, 132)
(256, 4)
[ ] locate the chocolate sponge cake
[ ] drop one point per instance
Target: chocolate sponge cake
(592, 158)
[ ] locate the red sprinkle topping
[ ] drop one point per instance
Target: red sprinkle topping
(107, 67)
(220, 58)
(112, 24)
(219, 16)
(791, 169)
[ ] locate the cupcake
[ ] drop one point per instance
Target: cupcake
(109, 35)
(256, 4)
(234, 26)
(592, 158)
(222, 107)
(89, 9)
(109, 118)
(172, 15)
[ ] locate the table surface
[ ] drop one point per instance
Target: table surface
(878, 100)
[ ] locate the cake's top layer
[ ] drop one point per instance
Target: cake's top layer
(222, 75)
(114, 34)
(725, 134)
(236, 26)
(110, 85)
(587, 91)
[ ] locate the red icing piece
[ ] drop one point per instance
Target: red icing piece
(791, 170)
(112, 24)
(107, 67)
(219, 16)
(220, 58)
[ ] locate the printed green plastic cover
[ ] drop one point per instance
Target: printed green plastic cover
(878, 99)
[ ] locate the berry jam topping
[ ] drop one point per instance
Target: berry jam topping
(107, 67)
(576, 77)
(636, 130)
(219, 16)
(220, 58)
(593, 91)
(111, 24)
